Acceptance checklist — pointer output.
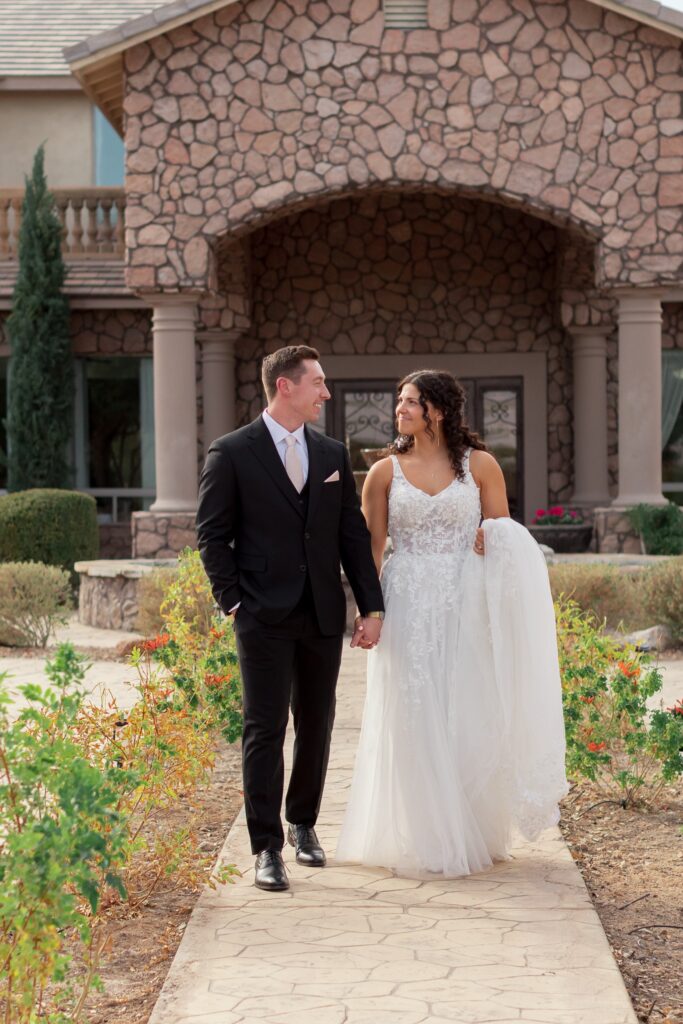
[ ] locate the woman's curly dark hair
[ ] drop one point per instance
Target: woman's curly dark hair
(447, 396)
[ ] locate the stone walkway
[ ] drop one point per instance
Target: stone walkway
(351, 945)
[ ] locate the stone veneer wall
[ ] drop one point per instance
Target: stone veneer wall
(564, 108)
(420, 273)
(107, 332)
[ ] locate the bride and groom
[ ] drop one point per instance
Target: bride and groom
(462, 737)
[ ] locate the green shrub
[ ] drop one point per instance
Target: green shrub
(34, 598)
(198, 648)
(612, 737)
(663, 595)
(614, 595)
(151, 591)
(660, 528)
(48, 525)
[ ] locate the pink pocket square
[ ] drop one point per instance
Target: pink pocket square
(333, 478)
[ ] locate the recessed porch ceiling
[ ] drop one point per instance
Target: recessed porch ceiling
(97, 62)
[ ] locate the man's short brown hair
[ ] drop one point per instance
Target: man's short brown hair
(285, 362)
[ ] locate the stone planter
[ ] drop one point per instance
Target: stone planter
(563, 539)
(108, 593)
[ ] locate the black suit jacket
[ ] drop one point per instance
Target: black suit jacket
(259, 542)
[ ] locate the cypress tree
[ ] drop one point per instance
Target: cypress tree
(41, 391)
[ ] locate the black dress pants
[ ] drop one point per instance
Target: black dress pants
(288, 663)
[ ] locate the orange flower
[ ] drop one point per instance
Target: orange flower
(593, 747)
(630, 671)
(214, 680)
(587, 700)
(159, 641)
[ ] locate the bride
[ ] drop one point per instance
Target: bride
(462, 737)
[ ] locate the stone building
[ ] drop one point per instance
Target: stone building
(494, 187)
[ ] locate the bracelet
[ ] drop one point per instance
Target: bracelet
(374, 615)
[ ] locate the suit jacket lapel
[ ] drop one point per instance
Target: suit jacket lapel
(315, 470)
(265, 451)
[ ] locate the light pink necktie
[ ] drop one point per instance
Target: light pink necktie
(295, 471)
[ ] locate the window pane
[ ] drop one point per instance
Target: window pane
(672, 456)
(113, 416)
(4, 365)
(499, 430)
(109, 157)
(368, 422)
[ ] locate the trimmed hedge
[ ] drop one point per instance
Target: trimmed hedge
(48, 525)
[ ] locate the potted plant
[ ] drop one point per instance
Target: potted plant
(562, 529)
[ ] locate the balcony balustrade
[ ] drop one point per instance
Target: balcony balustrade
(92, 221)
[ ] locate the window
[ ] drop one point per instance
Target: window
(405, 14)
(109, 155)
(114, 434)
(362, 416)
(672, 425)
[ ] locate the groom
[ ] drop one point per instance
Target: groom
(278, 512)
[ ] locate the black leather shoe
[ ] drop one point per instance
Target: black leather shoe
(308, 849)
(270, 871)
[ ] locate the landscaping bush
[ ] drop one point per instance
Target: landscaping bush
(197, 647)
(663, 595)
(612, 737)
(150, 593)
(614, 595)
(34, 598)
(660, 528)
(81, 791)
(48, 525)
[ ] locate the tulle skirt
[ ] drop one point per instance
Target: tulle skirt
(462, 739)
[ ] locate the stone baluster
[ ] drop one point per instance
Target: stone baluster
(119, 226)
(105, 228)
(76, 205)
(16, 206)
(62, 204)
(4, 227)
(90, 205)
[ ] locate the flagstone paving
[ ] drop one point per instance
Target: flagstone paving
(353, 945)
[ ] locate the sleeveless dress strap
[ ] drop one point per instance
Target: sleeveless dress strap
(466, 461)
(398, 472)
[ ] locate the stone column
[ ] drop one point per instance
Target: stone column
(591, 479)
(640, 399)
(175, 404)
(218, 383)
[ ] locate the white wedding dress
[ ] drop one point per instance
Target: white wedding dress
(462, 736)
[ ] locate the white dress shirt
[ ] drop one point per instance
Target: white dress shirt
(280, 433)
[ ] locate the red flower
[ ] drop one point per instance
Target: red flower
(630, 671)
(593, 747)
(540, 512)
(556, 510)
(587, 700)
(159, 641)
(214, 680)
(677, 709)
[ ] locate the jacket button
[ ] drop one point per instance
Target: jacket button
(302, 568)
(307, 536)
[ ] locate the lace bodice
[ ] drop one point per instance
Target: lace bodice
(442, 524)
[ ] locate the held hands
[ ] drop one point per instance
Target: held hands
(366, 633)
(479, 541)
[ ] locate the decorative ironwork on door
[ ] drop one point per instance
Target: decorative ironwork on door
(361, 414)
